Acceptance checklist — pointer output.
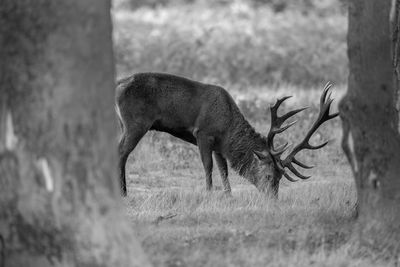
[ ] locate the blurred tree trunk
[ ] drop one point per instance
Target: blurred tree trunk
(395, 32)
(370, 137)
(59, 199)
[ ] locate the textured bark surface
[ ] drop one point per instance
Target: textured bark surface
(371, 140)
(59, 199)
(395, 33)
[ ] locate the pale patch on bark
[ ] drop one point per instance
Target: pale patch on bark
(350, 141)
(45, 169)
(122, 123)
(393, 10)
(373, 180)
(374, 184)
(11, 139)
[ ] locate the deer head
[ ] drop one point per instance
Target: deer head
(269, 167)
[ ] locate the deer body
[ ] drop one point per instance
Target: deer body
(202, 114)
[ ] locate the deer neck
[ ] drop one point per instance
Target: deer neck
(242, 141)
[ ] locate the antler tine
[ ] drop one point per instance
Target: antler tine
(279, 151)
(296, 172)
(274, 108)
(323, 116)
(325, 92)
(304, 166)
(311, 147)
(334, 115)
(276, 123)
(280, 101)
(279, 130)
(292, 113)
(289, 177)
(328, 85)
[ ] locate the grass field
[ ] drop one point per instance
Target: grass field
(258, 54)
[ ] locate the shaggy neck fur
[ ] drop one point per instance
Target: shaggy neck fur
(243, 140)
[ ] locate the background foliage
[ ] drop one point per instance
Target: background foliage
(244, 43)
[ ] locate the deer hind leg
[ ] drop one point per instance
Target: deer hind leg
(205, 144)
(128, 142)
(223, 170)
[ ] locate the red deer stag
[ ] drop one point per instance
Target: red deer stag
(207, 116)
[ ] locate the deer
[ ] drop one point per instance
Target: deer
(206, 115)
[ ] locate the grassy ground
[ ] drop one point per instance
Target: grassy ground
(258, 53)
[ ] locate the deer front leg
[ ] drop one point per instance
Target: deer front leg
(223, 171)
(204, 143)
(127, 143)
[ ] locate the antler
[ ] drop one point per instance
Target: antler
(276, 127)
(276, 123)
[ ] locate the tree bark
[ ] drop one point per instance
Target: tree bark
(59, 198)
(395, 33)
(370, 138)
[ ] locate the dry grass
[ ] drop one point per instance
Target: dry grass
(310, 223)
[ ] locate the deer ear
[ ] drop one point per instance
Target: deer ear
(260, 155)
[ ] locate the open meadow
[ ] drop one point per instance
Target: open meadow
(258, 51)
